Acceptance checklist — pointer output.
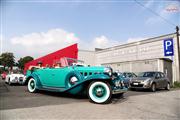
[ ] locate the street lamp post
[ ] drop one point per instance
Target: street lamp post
(178, 49)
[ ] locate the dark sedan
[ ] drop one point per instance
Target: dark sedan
(127, 77)
(150, 80)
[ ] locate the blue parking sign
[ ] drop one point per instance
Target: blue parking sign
(168, 47)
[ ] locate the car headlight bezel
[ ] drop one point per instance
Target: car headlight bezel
(147, 81)
(73, 80)
(108, 71)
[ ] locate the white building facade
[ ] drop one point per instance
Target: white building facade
(145, 55)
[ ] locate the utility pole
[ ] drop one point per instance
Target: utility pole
(178, 50)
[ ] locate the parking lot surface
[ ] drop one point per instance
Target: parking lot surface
(17, 103)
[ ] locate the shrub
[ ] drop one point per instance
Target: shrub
(176, 84)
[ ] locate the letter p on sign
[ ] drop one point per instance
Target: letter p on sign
(168, 47)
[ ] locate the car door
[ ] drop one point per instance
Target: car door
(59, 76)
(157, 80)
(163, 80)
(45, 76)
(54, 77)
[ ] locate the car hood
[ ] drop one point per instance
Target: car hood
(90, 69)
(17, 75)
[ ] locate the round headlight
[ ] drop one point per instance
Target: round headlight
(73, 80)
(108, 71)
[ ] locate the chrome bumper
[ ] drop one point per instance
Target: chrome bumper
(14, 81)
(140, 85)
(117, 91)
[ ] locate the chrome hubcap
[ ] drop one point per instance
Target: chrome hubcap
(32, 85)
(99, 91)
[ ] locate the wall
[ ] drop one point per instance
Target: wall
(135, 66)
(151, 48)
(52, 58)
(87, 56)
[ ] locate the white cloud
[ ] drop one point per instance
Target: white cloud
(173, 8)
(52, 37)
(103, 42)
(42, 43)
(38, 44)
(164, 11)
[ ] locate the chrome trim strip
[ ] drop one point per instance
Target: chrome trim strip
(119, 91)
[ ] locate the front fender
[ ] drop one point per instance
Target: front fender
(36, 78)
(79, 86)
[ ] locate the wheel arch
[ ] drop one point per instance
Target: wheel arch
(84, 85)
(36, 78)
(27, 80)
(153, 82)
(88, 82)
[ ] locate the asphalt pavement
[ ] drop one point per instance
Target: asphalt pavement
(17, 96)
(17, 103)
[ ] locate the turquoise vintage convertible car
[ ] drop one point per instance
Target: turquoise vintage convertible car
(73, 77)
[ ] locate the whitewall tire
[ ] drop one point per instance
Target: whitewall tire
(32, 85)
(167, 86)
(9, 82)
(99, 92)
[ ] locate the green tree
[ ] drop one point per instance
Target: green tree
(7, 59)
(23, 61)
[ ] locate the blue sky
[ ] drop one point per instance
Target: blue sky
(30, 27)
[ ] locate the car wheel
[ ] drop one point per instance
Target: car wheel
(167, 86)
(153, 87)
(99, 92)
(9, 82)
(32, 85)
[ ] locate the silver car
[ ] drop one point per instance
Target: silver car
(150, 80)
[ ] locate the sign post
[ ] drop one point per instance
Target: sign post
(168, 47)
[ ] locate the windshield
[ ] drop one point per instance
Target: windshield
(64, 62)
(72, 62)
(147, 74)
(120, 74)
(129, 75)
(15, 72)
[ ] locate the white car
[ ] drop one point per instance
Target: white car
(15, 78)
